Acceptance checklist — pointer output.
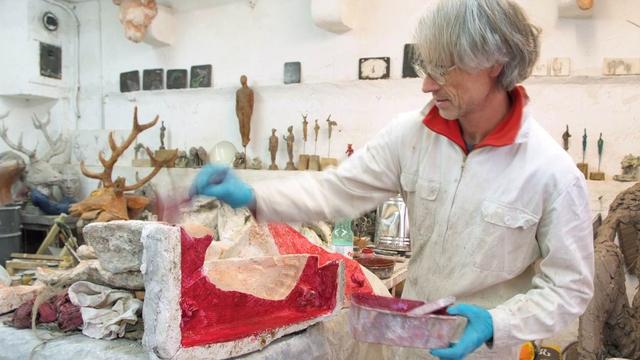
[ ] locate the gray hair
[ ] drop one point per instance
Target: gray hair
(477, 34)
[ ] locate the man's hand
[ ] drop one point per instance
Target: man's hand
(220, 182)
(478, 331)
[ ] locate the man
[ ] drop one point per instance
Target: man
(489, 192)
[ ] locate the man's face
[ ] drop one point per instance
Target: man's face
(462, 94)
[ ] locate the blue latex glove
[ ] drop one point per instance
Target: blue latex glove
(478, 331)
(222, 183)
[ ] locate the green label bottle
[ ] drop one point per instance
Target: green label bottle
(342, 238)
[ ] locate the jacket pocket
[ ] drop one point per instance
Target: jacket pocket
(420, 196)
(506, 238)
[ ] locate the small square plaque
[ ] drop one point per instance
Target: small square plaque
(292, 72)
(201, 76)
(50, 61)
(153, 79)
(176, 79)
(130, 81)
(374, 68)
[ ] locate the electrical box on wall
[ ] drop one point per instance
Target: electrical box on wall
(37, 38)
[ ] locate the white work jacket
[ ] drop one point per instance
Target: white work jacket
(478, 222)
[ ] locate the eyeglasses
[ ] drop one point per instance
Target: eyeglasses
(439, 75)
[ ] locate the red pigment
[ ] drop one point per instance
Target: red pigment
(211, 315)
(289, 241)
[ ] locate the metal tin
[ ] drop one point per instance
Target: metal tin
(392, 225)
(10, 232)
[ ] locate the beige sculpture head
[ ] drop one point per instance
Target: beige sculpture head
(136, 16)
(243, 80)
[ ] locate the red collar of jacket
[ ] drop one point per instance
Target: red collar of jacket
(503, 134)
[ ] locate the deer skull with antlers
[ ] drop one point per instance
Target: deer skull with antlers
(110, 202)
(40, 175)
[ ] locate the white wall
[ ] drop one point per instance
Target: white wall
(24, 92)
(237, 39)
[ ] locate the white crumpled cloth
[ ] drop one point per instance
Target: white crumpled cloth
(105, 311)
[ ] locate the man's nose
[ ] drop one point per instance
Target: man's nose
(429, 85)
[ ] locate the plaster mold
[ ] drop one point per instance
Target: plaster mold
(179, 326)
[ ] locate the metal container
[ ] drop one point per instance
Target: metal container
(382, 268)
(10, 233)
(392, 225)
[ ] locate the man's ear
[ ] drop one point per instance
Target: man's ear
(496, 70)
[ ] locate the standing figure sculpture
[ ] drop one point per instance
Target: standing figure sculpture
(273, 149)
(584, 144)
(565, 139)
(330, 124)
(290, 139)
(600, 148)
(163, 130)
(244, 110)
(316, 130)
(305, 124)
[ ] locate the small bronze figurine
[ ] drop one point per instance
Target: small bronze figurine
(273, 149)
(244, 111)
(290, 140)
(598, 175)
(316, 129)
(583, 166)
(565, 139)
(305, 124)
(163, 130)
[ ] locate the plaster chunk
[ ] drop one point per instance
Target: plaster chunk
(117, 244)
(92, 271)
(13, 296)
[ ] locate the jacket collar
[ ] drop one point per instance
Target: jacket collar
(505, 133)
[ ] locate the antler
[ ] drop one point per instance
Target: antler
(57, 146)
(116, 151)
(3, 134)
(157, 166)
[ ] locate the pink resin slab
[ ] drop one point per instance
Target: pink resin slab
(399, 322)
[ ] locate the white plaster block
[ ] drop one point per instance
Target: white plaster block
(116, 243)
(162, 31)
(337, 16)
(161, 272)
(621, 66)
